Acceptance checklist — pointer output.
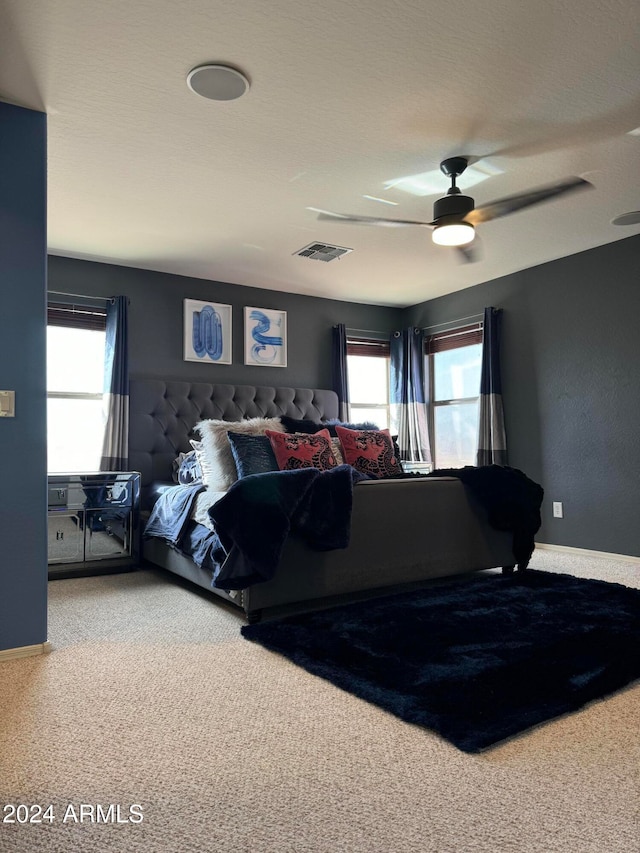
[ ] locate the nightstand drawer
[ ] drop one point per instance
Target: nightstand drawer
(66, 537)
(93, 490)
(107, 534)
(57, 495)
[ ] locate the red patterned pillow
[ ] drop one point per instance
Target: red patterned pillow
(302, 450)
(369, 451)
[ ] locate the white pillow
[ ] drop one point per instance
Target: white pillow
(216, 460)
(336, 447)
(203, 461)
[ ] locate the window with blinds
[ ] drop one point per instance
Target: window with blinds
(368, 372)
(454, 361)
(454, 339)
(76, 316)
(75, 373)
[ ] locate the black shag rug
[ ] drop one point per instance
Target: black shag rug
(477, 660)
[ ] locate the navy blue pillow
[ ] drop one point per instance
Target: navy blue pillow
(333, 422)
(253, 454)
(305, 425)
(309, 426)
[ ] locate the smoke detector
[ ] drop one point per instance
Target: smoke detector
(322, 252)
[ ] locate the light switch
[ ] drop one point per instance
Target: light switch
(7, 404)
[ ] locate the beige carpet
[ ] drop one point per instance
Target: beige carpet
(151, 697)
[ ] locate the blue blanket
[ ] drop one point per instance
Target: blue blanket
(171, 513)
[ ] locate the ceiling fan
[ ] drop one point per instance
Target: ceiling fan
(455, 215)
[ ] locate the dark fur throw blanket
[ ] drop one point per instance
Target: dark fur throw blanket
(511, 499)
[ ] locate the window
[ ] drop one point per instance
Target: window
(454, 362)
(75, 372)
(368, 372)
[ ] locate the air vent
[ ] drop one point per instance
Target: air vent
(322, 252)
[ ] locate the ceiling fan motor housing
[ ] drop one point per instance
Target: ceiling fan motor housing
(455, 206)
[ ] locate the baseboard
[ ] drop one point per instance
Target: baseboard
(585, 552)
(25, 651)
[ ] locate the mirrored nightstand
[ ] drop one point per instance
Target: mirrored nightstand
(93, 523)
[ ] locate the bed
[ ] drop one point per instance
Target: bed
(401, 532)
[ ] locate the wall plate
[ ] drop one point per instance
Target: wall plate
(7, 404)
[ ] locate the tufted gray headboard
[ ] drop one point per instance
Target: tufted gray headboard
(162, 415)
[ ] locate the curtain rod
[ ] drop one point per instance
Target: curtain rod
(79, 295)
(458, 320)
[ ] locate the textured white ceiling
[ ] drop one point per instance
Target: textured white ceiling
(344, 97)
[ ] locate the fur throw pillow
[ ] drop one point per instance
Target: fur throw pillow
(219, 469)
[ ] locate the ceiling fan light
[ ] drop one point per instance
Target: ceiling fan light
(453, 234)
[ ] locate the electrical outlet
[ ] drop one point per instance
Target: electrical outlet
(557, 509)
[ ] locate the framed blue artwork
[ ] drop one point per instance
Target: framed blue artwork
(207, 332)
(265, 337)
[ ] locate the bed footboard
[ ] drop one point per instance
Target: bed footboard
(402, 532)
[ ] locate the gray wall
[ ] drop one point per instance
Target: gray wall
(23, 532)
(156, 323)
(570, 359)
(570, 350)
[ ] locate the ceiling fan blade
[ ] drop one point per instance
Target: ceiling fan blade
(368, 220)
(471, 252)
(513, 203)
